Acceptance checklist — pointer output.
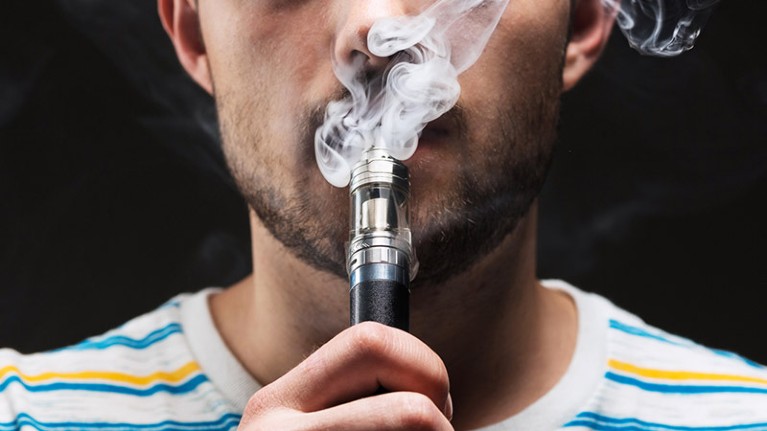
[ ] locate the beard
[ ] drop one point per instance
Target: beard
(504, 154)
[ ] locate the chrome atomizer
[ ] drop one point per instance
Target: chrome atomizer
(381, 260)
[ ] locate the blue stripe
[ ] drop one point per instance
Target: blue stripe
(602, 427)
(171, 303)
(152, 338)
(732, 355)
(596, 426)
(188, 386)
(226, 422)
(681, 389)
(598, 422)
(633, 330)
(639, 332)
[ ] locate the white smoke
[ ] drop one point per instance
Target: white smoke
(428, 51)
(662, 28)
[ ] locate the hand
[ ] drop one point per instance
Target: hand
(338, 387)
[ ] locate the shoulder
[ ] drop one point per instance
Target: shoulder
(142, 372)
(654, 379)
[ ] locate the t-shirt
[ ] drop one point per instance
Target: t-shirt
(170, 370)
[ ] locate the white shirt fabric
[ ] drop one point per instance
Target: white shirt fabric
(171, 370)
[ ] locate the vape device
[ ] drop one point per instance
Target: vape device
(381, 261)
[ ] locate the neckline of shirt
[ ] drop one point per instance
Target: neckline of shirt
(573, 391)
(584, 374)
(211, 352)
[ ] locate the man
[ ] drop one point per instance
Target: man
(491, 346)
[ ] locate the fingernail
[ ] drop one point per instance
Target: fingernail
(449, 407)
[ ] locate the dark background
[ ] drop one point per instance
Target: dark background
(114, 195)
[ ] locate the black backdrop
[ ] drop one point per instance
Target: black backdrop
(114, 196)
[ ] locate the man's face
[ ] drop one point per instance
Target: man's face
(477, 169)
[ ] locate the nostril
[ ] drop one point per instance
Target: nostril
(357, 18)
(367, 60)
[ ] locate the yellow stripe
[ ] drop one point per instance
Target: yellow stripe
(170, 377)
(680, 375)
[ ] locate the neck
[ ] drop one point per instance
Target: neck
(505, 339)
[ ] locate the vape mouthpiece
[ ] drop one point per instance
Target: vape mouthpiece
(381, 261)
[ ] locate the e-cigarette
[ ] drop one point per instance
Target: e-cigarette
(381, 261)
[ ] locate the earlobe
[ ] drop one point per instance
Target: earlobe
(181, 21)
(591, 26)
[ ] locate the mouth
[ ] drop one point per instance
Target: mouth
(447, 131)
(433, 133)
(437, 136)
(433, 146)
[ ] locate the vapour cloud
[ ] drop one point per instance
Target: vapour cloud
(427, 53)
(662, 28)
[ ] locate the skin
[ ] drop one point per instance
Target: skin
(487, 339)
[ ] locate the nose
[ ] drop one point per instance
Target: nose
(357, 17)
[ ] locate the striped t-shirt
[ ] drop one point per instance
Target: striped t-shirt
(170, 370)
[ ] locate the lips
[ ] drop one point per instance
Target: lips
(434, 132)
(441, 129)
(434, 140)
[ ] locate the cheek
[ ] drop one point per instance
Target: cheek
(522, 61)
(527, 45)
(281, 58)
(268, 76)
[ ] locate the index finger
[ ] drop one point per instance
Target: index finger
(355, 364)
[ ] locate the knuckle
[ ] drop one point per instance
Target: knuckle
(370, 339)
(257, 404)
(271, 422)
(263, 404)
(419, 412)
(261, 414)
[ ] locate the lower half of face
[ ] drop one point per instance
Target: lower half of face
(474, 176)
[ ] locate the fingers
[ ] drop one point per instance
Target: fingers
(359, 361)
(354, 365)
(390, 411)
(414, 411)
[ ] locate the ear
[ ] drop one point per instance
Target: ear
(590, 28)
(182, 23)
